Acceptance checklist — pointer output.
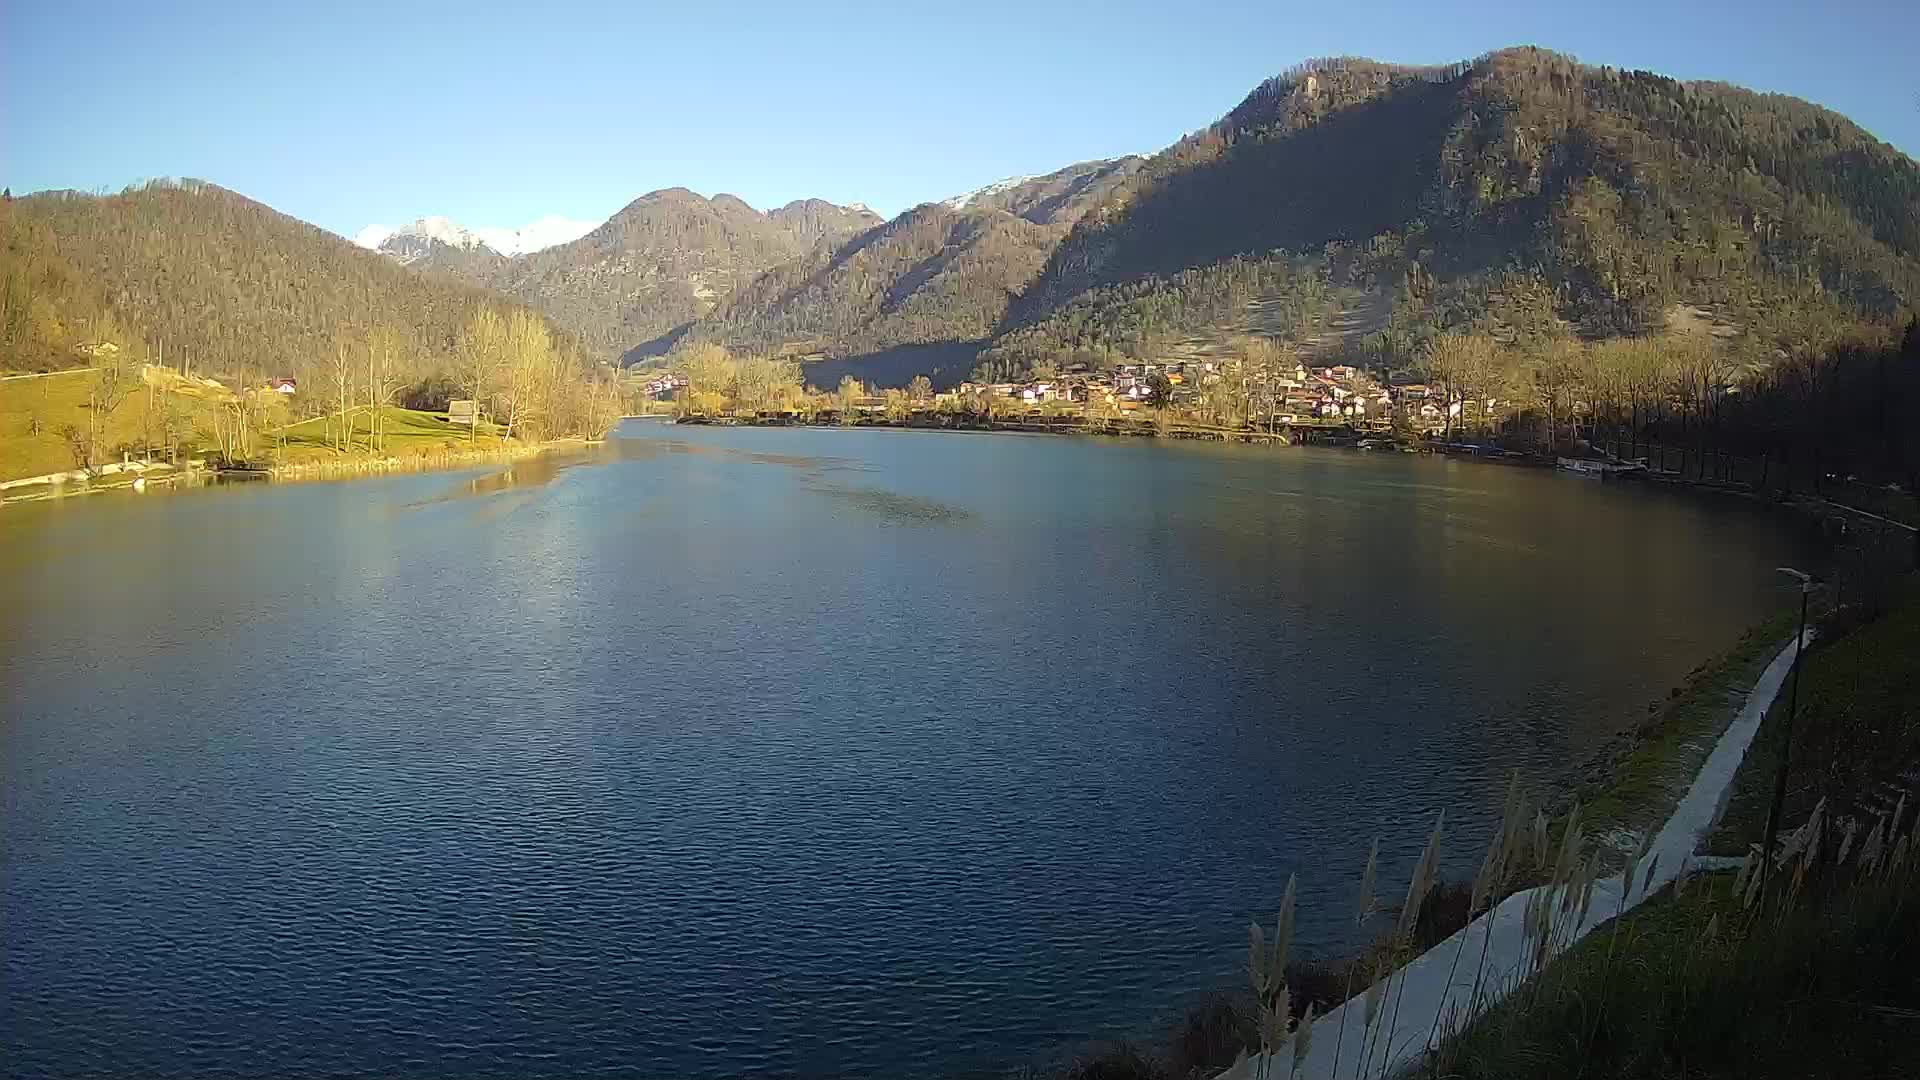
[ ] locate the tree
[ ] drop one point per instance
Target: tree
(1159, 391)
(920, 388)
(712, 379)
(385, 347)
(898, 405)
(847, 399)
(481, 357)
(526, 371)
(340, 381)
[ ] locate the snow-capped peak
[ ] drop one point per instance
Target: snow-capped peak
(863, 208)
(961, 202)
(544, 232)
(441, 229)
(541, 233)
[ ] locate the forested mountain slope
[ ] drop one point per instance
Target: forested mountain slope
(1057, 198)
(214, 278)
(1524, 180)
(939, 273)
(667, 259)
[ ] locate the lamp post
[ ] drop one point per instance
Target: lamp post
(1786, 733)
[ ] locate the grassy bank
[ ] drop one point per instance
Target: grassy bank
(1635, 785)
(1696, 984)
(403, 433)
(1820, 976)
(1856, 735)
(36, 412)
(1635, 788)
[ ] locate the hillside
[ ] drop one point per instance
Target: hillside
(940, 275)
(1060, 197)
(1521, 187)
(665, 260)
(216, 286)
(213, 278)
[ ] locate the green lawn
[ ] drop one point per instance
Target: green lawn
(405, 432)
(51, 402)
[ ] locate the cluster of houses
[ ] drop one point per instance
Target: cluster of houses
(664, 385)
(1338, 393)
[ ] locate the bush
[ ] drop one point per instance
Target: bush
(430, 394)
(1119, 1061)
(1214, 1032)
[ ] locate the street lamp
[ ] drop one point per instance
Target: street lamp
(1786, 734)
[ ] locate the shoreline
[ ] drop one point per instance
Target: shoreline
(1062, 425)
(1640, 779)
(446, 460)
(134, 476)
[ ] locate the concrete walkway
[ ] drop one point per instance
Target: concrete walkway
(1431, 987)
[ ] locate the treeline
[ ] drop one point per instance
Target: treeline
(1843, 407)
(722, 384)
(214, 285)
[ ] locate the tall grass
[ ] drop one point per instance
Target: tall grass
(1818, 978)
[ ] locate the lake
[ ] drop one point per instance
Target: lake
(792, 752)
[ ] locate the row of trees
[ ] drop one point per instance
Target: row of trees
(719, 383)
(1844, 406)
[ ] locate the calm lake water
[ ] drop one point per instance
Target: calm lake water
(780, 752)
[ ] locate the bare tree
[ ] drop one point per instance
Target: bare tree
(482, 356)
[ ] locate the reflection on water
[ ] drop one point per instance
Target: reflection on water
(671, 755)
(894, 507)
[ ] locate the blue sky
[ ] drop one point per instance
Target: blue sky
(347, 113)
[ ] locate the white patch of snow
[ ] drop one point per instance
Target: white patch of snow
(541, 233)
(961, 202)
(863, 208)
(441, 229)
(373, 236)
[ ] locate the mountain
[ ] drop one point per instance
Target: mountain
(931, 274)
(666, 259)
(411, 239)
(1057, 198)
(217, 280)
(940, 274)
(435, 245)
(1518, 188)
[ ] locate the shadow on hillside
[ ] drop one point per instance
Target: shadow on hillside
(1359, 172)
(946, 363)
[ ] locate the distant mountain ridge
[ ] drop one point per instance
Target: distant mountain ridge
(667, 259)
(940, 273)
(663, 261)
(413, 238)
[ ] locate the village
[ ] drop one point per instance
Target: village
(1225, 393)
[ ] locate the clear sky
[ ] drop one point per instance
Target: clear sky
(345, 113)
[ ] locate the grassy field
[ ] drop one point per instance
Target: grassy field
(33, 412)
(50, 402)
(406, 433)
